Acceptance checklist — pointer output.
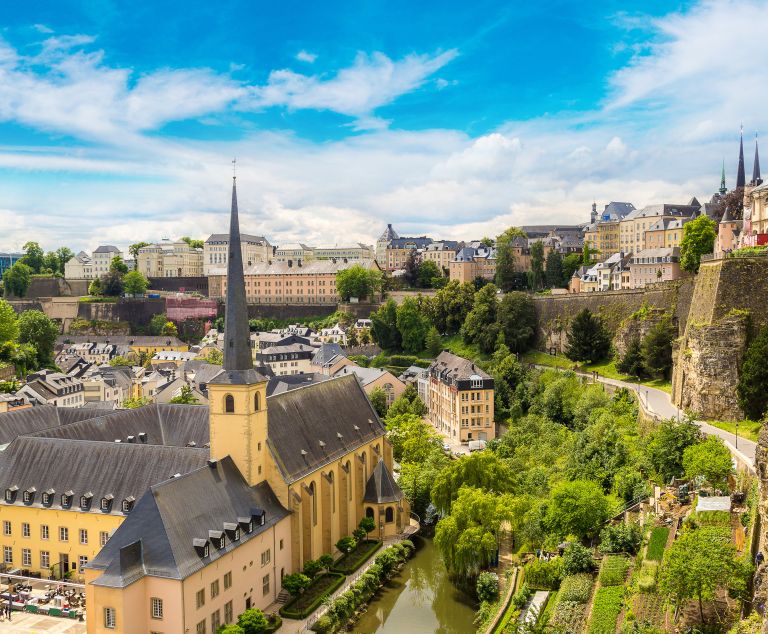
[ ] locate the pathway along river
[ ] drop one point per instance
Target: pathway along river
(420, 600)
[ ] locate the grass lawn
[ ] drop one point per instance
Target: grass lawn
(456, 344)
(748, 429)
(606, 369)
(657, 543)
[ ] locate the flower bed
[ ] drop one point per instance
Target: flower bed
(657, 543)
(614, 570)
(348, 563)
(606, 609)
(576, 588)
(307, 602)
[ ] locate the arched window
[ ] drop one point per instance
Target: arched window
(257, 401)
(369, 511)
(389, 515)
(365, 468)
(314, 503)
(229, 404)
(332, 482)
(349, 480)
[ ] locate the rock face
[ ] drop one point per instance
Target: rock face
(636, 327)
(708, 368)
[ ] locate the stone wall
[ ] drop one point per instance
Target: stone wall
(56, 287)
(636, 327)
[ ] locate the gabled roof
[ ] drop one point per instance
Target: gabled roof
(121, 340)
(389, 234)
(107, 248)
(335, 412)
(244, 237)
(280, 384)
(381, 486)
(158, 538)
(327, 353)
(456, 368)
(366, 376)
(36, 419)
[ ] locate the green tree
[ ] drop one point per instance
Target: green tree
(632, 361)
(450, 305)
(135, 283)
(112, 283)
(345, 544)
(358, 281)
(505, 258)
(487, 586)
(134, 249)
(408, 403)
(17, 278)
(577, 508)
(9, 323)
(571, 264)
(230, 628)
(588, 339)
(416, 478)
(412, 439)
(368, 524)
(157, 323)
(411, 269)
(94, 288)
(412, 325)
(586, 254)
(170, 330)
(483, 470)
(187, 397)
(194, 244)
(577, 558)
(253, 621)
(215, 357)
(698, 563)
(135, 403)
(537, 265)
(699, 237)
(297, 582)
(33, 256)
(118, 266)
(36, 328)
(554, 269)
(517, 318)
(433, 343)
(481, 325)
(50, 264)
(668, 442)
(751, 389)
(120, 360)
(384, 326)
(427, 271)
(378, 398)
(657, 348)
(63, 255)
(710, 459)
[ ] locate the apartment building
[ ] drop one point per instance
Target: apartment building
(294, 252)
(216, 248)
(79, 267)
(47, 387)
(634, 225)
(474, 262)
(442, 253)
(655, 265)
(170, 259)
(7, 260)
(400, 249)
(665, 233)
(355, 252)
(292, 359)
(461, 399)
(102, 259)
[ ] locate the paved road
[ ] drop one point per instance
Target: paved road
(660, 403)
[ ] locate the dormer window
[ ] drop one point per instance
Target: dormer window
(29, 495)
(106, 502)
(85, 501)
(201, 547)
(127, 504)
(66, 499)
(217, 539)
(10, 494)
(232, 530)
(48, 497)
(258, 517)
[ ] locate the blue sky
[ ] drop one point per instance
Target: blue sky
(118, 121)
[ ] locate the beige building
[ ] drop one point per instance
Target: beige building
(654, 265)
(373, 378)
(665, 233)
(215, 249)
(287, 282)
(471, 263)
(756, 217)
(291, 359)
(385, 238)
(442, 253)
(79, 267)
(400, 249)
(461, 399)
(294, 252)
(102, 259)
(355, 252)
(635, 224)
(170, 259)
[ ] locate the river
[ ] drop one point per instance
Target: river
(420, 600)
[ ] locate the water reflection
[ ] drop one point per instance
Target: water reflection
(419, 601)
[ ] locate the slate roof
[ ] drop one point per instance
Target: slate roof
(83, 466)
(157, 538)
(381, 486)
(389, 234)
(36, 419)
(244, 237)
(306, 268)
(170, 425)
(300, 419)
(121, 340)
(107, 248)
(456, 368)
(327, 353)
(364, 375)
(409, 243)
(280, 384)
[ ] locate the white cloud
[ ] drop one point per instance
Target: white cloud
(305, 56)
(41, 28)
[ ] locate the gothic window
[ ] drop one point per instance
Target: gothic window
(229, 404)
(369, 511)
(257, 401)
(314, 503)
(389, 515)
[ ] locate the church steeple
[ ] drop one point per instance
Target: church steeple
(237, 350)
(741, 178)
(723, 188)
(756, 180)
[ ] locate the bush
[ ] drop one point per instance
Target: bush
(303, 605)
(487, 586)
(323, 625)
(546, 575)
(522, 596)
(576, 588)
(312, 567)
(710, 518)
(576, 559)
(296, 583)
(606, 609)
(621, 538)
(346, 544)
(657, 543)
(355, 558)
(614, 570)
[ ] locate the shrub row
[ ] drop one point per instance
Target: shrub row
(657, 543)
(311, 599)
(576, 588)
(614, 570)
(545, 575)
(606, 609)
(385, 565)
(351, 561)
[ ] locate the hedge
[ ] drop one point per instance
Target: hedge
(311, 599)
(347, 564)
(606, 609)
(657, 543)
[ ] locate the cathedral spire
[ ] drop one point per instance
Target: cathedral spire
(756, 180)
(741, 178)
(723, 188)
(237, 347)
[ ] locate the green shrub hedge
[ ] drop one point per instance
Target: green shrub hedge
(606, 609)
(657, 543)
(545, 575)
(311, 599)
(348, 563)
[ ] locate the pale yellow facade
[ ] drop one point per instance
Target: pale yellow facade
(663, 238)
(607, 238)
(170, 259)
(462, 415)
(468, 271)
(254, 249)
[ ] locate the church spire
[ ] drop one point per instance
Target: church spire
(723, 188)
(741, 178)
(237, 347)
(756, 180)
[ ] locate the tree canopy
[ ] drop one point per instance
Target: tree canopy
(699, 237)
(710, 459)
(751, 389)
(505, 258)
(588, 339)
(17, 279)
(358, 281)
(36, 328)
(481, 325)
(412, 325)
(9, 323)
(517, 317)
(577, 508)
(135, 283)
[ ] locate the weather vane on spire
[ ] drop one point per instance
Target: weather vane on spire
(234, 167)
